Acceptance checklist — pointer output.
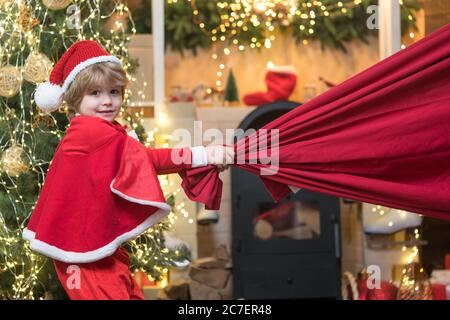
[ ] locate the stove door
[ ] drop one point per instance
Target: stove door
(289, 249)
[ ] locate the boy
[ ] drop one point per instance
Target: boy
(101, 189)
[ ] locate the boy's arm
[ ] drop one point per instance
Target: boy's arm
(173, 160)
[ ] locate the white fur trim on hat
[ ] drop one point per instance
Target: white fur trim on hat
(85, 64)
(48, 96)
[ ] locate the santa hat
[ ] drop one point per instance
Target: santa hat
(80, 55)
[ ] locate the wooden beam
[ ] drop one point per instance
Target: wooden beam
(158, 54)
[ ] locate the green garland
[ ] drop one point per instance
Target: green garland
(182, 31)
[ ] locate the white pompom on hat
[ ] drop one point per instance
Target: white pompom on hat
(80, 55)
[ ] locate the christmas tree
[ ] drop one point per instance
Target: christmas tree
(34, 34)
(231, 91)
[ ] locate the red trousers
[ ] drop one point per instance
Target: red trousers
(106, 279)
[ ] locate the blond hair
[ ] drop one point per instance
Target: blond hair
(99, 74)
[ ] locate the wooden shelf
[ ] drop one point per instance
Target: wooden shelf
(379, 242)
(148, 111)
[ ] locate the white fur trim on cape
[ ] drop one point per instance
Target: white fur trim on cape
(85, 64)
(48, 96)
(160, 205)
(107, 250)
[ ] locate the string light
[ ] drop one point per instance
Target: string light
(410, 249)
(379, 210)
(16, 43)
(239, 17)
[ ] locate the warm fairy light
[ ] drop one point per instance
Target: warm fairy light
(410, 249)
(379, 210)
(25, 268)
(238, 17)
(163, 119)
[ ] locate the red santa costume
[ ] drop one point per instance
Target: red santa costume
(100, 191)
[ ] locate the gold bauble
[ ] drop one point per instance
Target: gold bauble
(37, 67)
(11, 161)
(25, 21)
(10, 81)
(5, 3)
(56, 4)
(42, 118)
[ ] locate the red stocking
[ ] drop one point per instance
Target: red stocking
(280, 85)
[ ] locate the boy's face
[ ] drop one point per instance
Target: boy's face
(103, 102)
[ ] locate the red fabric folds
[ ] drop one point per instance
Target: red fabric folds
(381, 137)
(203, 185)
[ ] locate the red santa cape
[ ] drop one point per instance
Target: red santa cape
(381, 137)
(101, 190)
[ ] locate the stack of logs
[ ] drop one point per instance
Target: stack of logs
(209, 279)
